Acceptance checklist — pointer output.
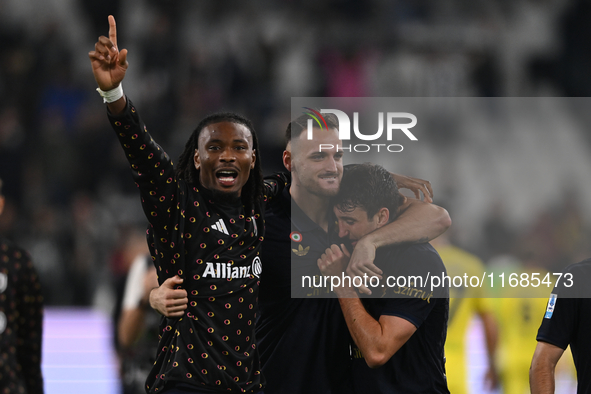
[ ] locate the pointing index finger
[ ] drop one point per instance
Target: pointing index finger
(113, 30)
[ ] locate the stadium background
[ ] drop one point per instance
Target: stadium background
(70, 198)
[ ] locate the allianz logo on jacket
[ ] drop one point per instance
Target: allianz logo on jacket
(227, 271)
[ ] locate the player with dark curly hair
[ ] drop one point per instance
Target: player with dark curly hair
(205, 232)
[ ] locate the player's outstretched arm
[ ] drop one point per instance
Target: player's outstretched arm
(418, 221)
(543, 365)
(167, 300)
(109, 65)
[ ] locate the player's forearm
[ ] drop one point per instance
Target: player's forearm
(141, 151)
(151, 168)
(156, 299)
(275, 184)
(418, 222)
(117, 107)
(365, 331)
(541, 378)
(130, 326)
(543, 365)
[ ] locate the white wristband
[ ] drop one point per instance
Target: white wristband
(111, 95)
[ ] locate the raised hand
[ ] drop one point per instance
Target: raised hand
(108, 63)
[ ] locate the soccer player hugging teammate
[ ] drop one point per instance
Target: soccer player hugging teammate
(399, 334)
(205, 231)
(303, 339)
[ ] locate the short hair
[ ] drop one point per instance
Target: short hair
(297, 126)
(370, 187)
(0, 187)
(253, 189)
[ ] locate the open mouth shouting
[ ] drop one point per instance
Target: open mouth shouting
(226, 177)
(225, 157)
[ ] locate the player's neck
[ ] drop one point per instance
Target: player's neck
(314, 206)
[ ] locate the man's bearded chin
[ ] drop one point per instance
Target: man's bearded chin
(314, 189)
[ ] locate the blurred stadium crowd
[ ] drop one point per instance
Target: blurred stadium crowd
(71, 200)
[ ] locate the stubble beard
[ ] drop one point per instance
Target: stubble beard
(313, 187)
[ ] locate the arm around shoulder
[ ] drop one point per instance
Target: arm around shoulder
(417, 222)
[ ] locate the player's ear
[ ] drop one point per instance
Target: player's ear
(287, 159)
(1, 204)
(196, 159)
(383, 216)
(254, 159)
